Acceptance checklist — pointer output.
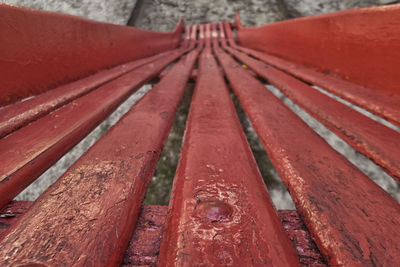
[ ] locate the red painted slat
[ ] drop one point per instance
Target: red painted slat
(43, 50)
(87, 217)
(11, 213)
(351, 219)
(189, 43)
(19, 114)
(208, 34)
(201, 33)
(380, 103)
(186, 38)
(345, 43)
(220, 213)
(375, 101)
(376, 141)
(145, 242)
(29, 151)
(214, 34)
(193, 34)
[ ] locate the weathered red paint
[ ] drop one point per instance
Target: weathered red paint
(375, 101)
(19, 114)
(376, 141)
(302, 241)
(41, 50)
(350, 218)
(29, 151)
(220, 213)
(345, 43)
(11, 213)
(380, 103)
(89, 214)
(144, 246)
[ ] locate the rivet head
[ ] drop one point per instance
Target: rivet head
(214, 211)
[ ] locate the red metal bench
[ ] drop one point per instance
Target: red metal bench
(77, 72)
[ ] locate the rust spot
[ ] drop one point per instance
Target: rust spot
(214, 210)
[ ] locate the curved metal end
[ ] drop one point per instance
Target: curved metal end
(237, 23)
(180, 26)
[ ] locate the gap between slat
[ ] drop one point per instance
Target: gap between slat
(277, 190)
(159, 190)
(358, 109)
(369, 168)
(34, 190)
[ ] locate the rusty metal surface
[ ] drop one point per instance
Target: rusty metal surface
(220, 212)
(349, 216)
(88, 215)
(376, 141)
(28, 152)
(43, 50)
(352, 44)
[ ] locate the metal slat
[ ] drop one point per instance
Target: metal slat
(186, 38)
(55, 49)
(220, 211)
(360, 46)
(17, 115)
(349, 216)
(376, 141)
(378, 102)
(28, 152)
(145, 242)
(189, 43)
(87, 217)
